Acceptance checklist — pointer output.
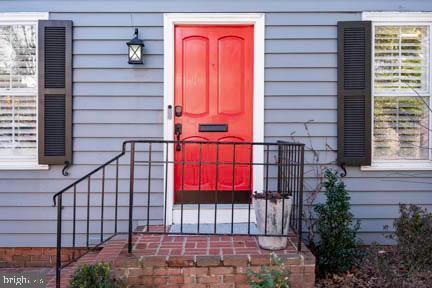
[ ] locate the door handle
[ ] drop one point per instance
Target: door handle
(178, 132)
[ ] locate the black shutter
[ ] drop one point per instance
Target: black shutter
(55, 91)
(354, 93)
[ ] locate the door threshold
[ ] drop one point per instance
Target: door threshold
(206, 214)
(218, 229)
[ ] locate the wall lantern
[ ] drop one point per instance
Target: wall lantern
(135, 47)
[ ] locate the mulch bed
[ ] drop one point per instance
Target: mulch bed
(381, 267)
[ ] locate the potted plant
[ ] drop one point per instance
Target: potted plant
(273, 208)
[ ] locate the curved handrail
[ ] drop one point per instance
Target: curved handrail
(89, 174)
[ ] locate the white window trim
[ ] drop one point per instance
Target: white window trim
(391, 17)
(399, 165)
(258, 21)
(400, 18)
(23, 18)
(14, 164)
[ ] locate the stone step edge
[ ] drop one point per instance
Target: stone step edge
(131, 261)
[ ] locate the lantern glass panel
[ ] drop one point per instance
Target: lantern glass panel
(135, 52)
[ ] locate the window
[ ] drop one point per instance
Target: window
(18, 92)
(401, 92)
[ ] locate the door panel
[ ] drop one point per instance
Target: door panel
(195, 76)
(213, 85)
(231, 75)
(238, 154)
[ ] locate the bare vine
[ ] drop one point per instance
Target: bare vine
(314, 176)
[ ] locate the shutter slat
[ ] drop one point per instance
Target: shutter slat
(354, 93)
(55, 125)
(55, 74)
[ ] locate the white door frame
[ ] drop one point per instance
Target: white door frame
(258, 21)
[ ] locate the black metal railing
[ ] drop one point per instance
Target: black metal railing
(178, 188)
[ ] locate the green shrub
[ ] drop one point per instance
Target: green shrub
(413, 233)
(94, 276)
(336, 251)
(277, 275)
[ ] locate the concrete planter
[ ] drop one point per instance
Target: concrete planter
(274, 221)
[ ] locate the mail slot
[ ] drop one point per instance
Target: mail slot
(213, 127)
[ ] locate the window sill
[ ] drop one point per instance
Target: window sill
(12, 166)
(399, 166)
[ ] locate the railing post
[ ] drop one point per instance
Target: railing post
(300, 221)
(279, 168)
(116, 196)
(166, 164)
(102, 206)
(149, 186)
(74, 222)
(59, 231)
(131, 192)
(88, 212)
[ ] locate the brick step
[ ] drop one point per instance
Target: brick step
(204, 261)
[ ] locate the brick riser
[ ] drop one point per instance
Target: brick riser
(18, 257)
(205, 271)
(197, 261)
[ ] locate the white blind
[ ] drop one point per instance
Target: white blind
(18, 100)
(401, 128)
(401, 59)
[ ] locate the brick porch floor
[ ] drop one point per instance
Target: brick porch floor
(166, 245)
(189, 261)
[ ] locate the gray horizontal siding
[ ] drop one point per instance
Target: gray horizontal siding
(216, 6)
(118, 75)
(118, 103)
(156, 75)
(155, 47)
(114, 101)
(310, 60)
(155, 89)
(156, 33)
(153, 117)
(115, 33)
(155, 19)
(114, 61)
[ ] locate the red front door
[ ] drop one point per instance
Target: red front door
(213, 102)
